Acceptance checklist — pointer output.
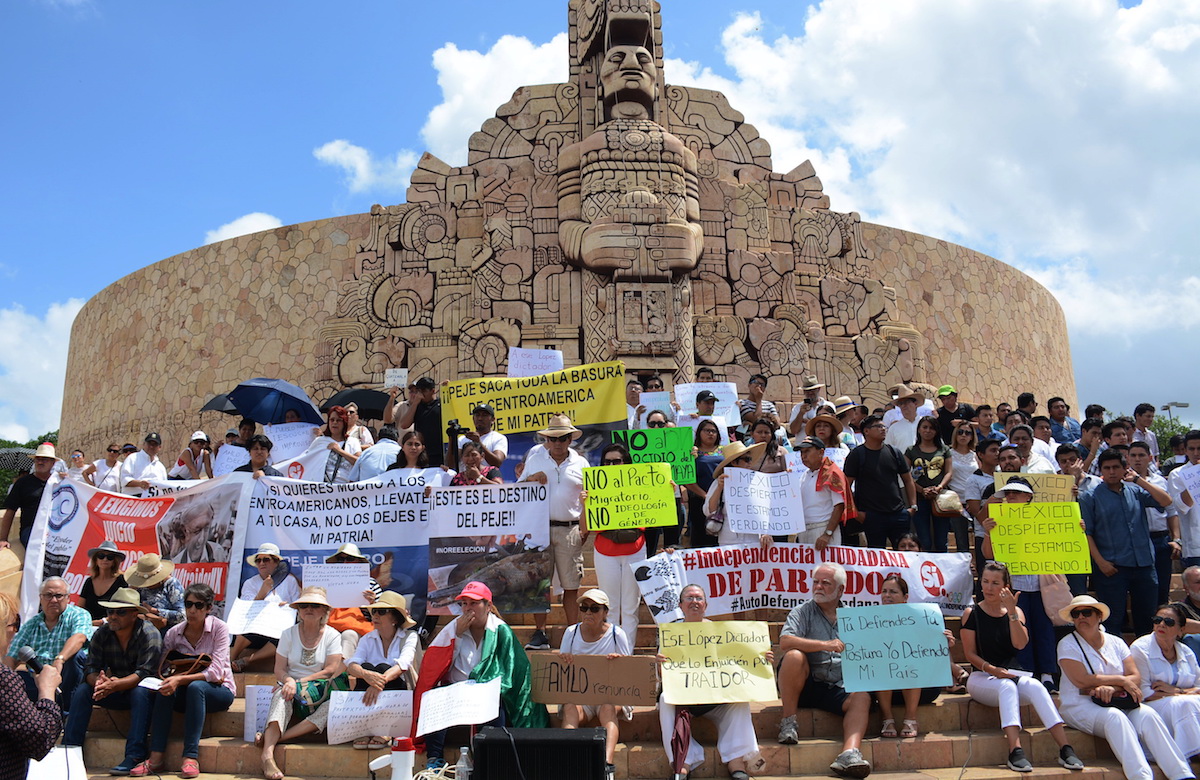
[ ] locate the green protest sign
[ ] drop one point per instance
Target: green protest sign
(662, 445)
(629, 496)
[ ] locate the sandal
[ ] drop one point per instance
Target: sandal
(238, 665)
(258, 739)
(909, 730)
(888, 728)
(362, 742)
(271, 770)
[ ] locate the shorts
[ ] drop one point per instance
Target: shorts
(818, 695)
(567, 546)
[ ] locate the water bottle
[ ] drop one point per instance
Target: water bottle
(462, 770)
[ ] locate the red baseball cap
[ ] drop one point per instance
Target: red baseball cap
(475, 591)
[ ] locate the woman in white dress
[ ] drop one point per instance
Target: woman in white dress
(1171, 677)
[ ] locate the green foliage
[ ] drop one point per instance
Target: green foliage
(1164, 428)
(7, 476)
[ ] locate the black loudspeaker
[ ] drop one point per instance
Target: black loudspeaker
(538, 754)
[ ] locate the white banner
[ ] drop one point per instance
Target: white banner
(309, 464)
(531, 362)
(228, 458)
(466, 703)
(268, 617)
(757, 503)
(737, 578)
(350, 718)
(344, 583)
(290, 440)
(726, 393)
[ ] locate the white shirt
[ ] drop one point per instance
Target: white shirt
(1189, 516)
(1045, 449)
(818, 504)
(400, 652)
(1150, 438)
(492, 440)
(892, 415)
(812, 410)
(140, 465)
(902, 434)
(287, 591)
(1037, 465)
(107, 478)
(363, 435)
(565, 482)
(687, 420)
(466, 656)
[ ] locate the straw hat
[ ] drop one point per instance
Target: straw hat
(736, 450)
(560, 425)
(390, 599)
(811, 426)
(811, 383)
(1083, 601)
(903, 391)
(350, 549)
(44, 450)
(149, 571)
(125, 598)
(313, 594)
(266, 548)
(843, 404)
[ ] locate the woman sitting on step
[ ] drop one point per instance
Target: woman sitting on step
(993, 630)
(1171, 677)
(384, 658)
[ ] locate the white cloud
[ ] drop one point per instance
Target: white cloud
(250, 223)
(363, 171)
(33, 367)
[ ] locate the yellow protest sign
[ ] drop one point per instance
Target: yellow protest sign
(637, 495)
(1046, 487)
(590, 394)
(713, 663)
(1040, 538)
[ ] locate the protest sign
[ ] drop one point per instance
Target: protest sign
(1190, 475)
(351, 718)
(757, 503)
(594, 679)
(1046, 487)
(589, 394)
(193, 527)
(837, 455)
(656, 401)
(344, 583)
(228, 458)
(289, 440)
(464, 703)
(258, 704)
(629, 496)
(531, 362)
(496, 534)
(892, 647)
(62, 761)
(662, 445)
(309, 464)
(741, 577)
(726, 393)
(386, 517)
(266, 617)
(396, 377)
(712, 663)
(1040, 538)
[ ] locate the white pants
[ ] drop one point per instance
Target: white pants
(1122, 730)
(615, 578)
(735, 733)
(1182, 716)
(1009, 695)
(813, 533)
(280, 711)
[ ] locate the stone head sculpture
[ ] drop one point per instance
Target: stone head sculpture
(628, 82)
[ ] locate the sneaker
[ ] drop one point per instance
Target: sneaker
(143, 769)
(788, 735)
(610, 772)
(1068, 759)
(850, 763)
(435, 763)
(1050, 686)
(125, 767)
(1017, 761)
(539, 641)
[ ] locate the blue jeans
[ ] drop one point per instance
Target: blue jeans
(1040, 654)
(72, 673)
(138, 701)
(1162, 565)
(195, 701)
(884, 527)
(1140, 583)
(932, 532)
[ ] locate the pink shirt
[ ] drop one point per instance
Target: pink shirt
(213, 642)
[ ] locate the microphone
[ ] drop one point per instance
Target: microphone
(26, 656)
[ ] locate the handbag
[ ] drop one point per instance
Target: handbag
(716, 521)
(311, 694)
(175, 662)
(947, 504)
(1121, 700)
(622, 535)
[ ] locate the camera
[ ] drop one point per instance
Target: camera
(454, 430)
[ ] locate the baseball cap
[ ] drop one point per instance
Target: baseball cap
(475, 591)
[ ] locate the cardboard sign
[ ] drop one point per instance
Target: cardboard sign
(1040, 538)
(267, 617)
(289, 440)
(396, 377)
(344, 583)
(726, 393)
(594, 679)
(656, 401)
(662, 445)
(629, 496)
(1046, 487)
(757, 503)
(714, 663)
(350, 718)
(893, 646)
(258, 705)
(466, 703)
(531, 362)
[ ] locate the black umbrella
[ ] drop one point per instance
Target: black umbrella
(220, 403)
(16, 459)
(267, 400)
(370, 402)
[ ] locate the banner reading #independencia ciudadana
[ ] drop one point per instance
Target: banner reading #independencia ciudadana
(590, 394)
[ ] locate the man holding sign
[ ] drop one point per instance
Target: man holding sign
(810, 673)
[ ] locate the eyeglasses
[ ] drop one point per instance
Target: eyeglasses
(872, 427)
(1086, 612)
(612, 462)
(115, 452)
(54, 596)
(267, 559)
(109, 556)
(1170, 622)
(559, 438)
(119, 612)
(590, 607)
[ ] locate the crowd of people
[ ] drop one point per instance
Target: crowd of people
(915, 474)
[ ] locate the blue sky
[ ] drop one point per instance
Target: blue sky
(1057, 136)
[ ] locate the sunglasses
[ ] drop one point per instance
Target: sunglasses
(590, 607)
(115, 452)
(1170, 622)
(109, 556)
(612, 462)
(195, 605)
(657, 424)
(567, 437)
(310, 606)
(116, 612)
(1086, 612)
(264, 559)
(378, 612)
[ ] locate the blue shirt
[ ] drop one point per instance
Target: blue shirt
(374, 460)
(1067, 433)
(1117, 523)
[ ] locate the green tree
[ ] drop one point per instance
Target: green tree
(1164, 428)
